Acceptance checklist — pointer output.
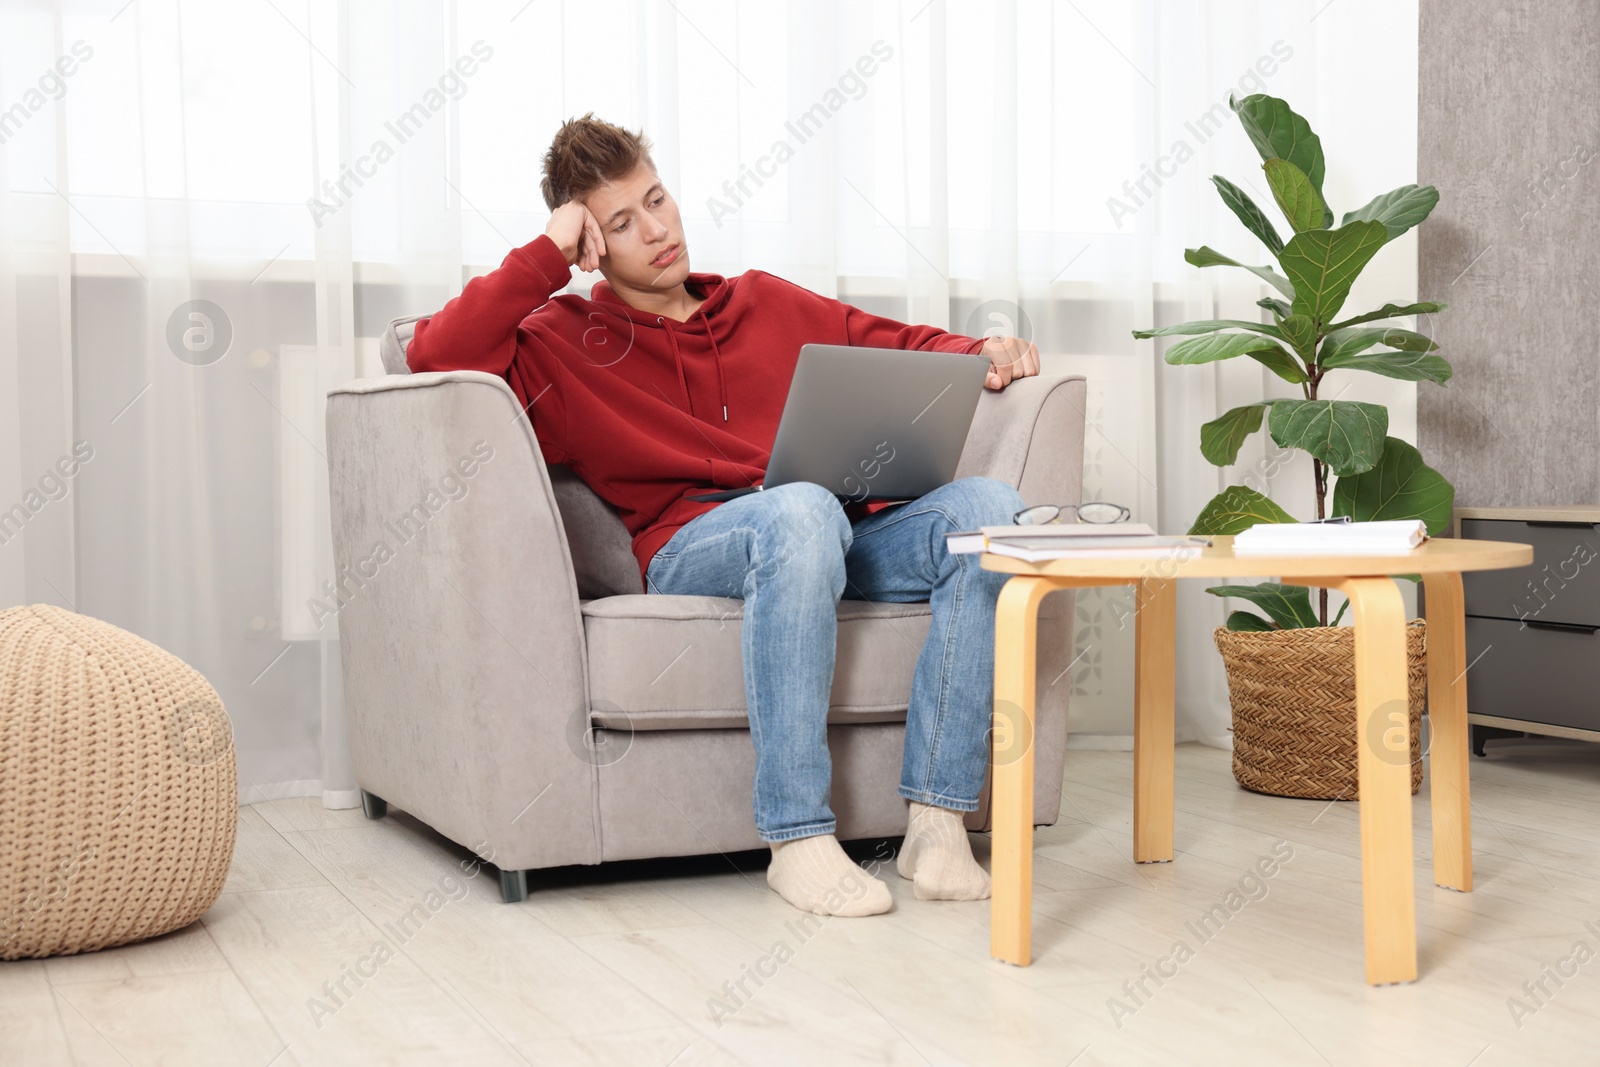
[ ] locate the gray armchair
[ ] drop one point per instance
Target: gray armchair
(508, 682)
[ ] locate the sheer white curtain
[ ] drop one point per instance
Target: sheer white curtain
(210, 210)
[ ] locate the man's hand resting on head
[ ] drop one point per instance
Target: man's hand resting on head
(577, 233)
(1010, 358)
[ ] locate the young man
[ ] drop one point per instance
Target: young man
(666, 384)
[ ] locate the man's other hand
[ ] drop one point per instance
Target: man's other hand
(1010, 358)
(577, 233)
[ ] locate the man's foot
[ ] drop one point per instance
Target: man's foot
(937, 857)
(815, 875)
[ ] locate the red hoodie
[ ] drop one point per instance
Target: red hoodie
(645, 409)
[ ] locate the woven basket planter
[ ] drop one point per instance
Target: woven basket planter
(1294, 708)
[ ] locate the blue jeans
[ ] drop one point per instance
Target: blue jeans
(790, 553)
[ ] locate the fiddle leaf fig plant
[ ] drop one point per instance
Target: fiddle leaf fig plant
(1370, 474)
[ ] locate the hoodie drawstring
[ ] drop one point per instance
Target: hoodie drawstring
(677, 358)
(716, 357)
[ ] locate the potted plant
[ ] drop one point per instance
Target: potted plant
(1291, 675)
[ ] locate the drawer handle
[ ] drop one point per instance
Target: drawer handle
(1560, 524)
(1565, 627)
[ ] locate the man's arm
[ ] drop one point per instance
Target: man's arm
(1010, 358)
(866, 330)
(478, 329)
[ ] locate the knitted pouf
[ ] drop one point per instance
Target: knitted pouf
(118, 789)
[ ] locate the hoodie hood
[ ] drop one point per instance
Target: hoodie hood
(714, 287)
(715, 290)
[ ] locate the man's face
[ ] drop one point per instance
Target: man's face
(645, 248)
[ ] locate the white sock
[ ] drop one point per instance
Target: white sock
(814, 874)
(937, 856)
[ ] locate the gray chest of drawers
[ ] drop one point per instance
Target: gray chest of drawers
(1533, 635)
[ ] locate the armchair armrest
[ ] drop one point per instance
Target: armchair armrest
(460, 635)
(1031, 435)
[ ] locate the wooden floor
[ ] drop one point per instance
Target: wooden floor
(625, 964)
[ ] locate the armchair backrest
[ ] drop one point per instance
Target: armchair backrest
(392, 345)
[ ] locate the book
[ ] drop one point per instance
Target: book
(1059, 532)
(1077, 541)
(1379, 538)
(1152, 547)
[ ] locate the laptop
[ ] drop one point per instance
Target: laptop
(873, 423)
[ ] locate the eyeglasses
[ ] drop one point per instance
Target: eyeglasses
(1095, 511)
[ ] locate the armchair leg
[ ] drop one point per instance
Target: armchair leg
(373, 807)
(513, 886)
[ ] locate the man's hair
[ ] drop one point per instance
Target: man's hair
(587, 153)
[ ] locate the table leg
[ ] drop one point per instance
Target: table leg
(1448, 748)
(1155, 652)
(1016, 631)
(1388, 896)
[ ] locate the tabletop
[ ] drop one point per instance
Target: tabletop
(1435, 556)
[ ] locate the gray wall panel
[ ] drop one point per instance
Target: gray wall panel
(1509, 107)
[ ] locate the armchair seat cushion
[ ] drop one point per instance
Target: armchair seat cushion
(674, 662)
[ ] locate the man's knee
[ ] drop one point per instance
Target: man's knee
(802, 524)
(979, 502)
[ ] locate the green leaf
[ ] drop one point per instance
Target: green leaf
(1212, 347)
(1255, 220)
(1391, 311)
(1405, 340)
(1340, 614)
(1287, 605)
(1406, 366)
(1400, 486)
(1347, 348)
(1301, 332)
(1276, 306)
(1344, 434)
(1282, 364)
(1210, 325)
(1398, 210)
(1237, 508)
(1248, 622)
(1323, 264)
(1296, 198)
(1278, 133)
(1221, 438)
(1341, 344)
(1205, 256)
